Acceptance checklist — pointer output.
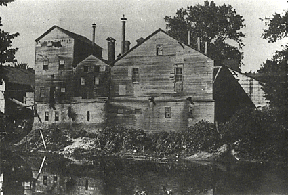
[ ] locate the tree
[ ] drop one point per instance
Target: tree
(274, 71)
(7, 54)
(212, 24)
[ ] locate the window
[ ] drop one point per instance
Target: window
(167, 112)
(56, 116)
(178, 74)
(46, 116)
(82, 81)
(96, 81)
(45, 180)
(45, 64)
(96, 68)
(135, 75)
(88, 115)
(159, 50)
(86, 184)
(85, 68)
(61, 64)
(63, 89)
(102, 68)
(42, 92)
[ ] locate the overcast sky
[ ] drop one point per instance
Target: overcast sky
(31, 18)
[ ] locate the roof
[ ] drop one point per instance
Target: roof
(70, 34)
(93, 58)
(18, 75)
(147, 38)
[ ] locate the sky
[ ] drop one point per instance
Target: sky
(31, 18)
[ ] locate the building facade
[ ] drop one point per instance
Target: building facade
(161, 84)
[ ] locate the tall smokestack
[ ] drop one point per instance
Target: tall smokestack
(123, 19)
(94, 30)
(111, 50)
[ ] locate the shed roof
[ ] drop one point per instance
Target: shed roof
(18, 75)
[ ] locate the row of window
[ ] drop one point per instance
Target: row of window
(43, 93)
(178, 73)
(57, 118)
(96, 81)
(61, 65)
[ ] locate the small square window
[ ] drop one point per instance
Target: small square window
(159, 50)
(167, 112)
(63, 89)
(96, 68)
(85, 68)
(46, 116)
(102, 68)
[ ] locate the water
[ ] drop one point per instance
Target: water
(39, 174)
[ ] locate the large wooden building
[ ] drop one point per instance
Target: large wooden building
(69, 73)
(161, 84)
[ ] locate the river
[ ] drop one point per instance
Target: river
(52, 174)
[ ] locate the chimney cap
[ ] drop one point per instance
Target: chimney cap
(123, 18)
(111, 39)
(94, 25)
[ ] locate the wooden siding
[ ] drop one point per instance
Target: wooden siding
(129, 103)
(91, 90)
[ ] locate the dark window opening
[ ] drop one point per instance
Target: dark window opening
(96, 68)
(159, 50)
(86, 184)
(88, 116)
(56, 116)
(167, 112)
(46, 116)
(45, 180)
(45, 64)
(135, 75)
(85, 68)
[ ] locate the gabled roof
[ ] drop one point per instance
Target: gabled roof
(147, 38)
(93, 58)
(70, 34)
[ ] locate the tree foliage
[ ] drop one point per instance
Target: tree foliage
(214, 24)
(274, 71)
(7, 54)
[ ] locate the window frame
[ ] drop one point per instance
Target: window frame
(86, 68)
(135, 76)
(178, 76)
(61, 66)
(168, 112)
(82, 81)
(96, 78)
(159, 49)
(46, 64)
(46, 115)
(56, 117)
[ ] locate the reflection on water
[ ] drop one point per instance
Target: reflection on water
(107, 176)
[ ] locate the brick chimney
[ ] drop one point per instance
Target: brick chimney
(94, 31)
(127, 46)
(123, 19)
(111, 50)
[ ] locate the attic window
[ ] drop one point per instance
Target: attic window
(159, 50)
(45, 64)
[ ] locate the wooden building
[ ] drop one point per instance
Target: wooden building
(161, 84)
(69, 73)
